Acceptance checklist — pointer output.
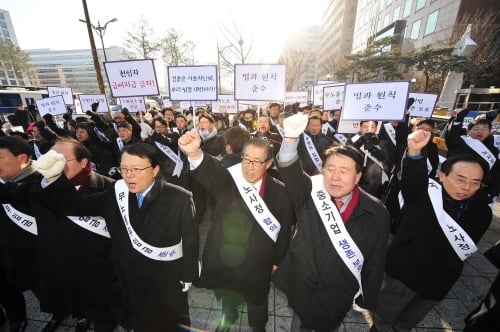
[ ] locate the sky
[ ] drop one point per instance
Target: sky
(266, 24)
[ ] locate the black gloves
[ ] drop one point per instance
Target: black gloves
(461, 115)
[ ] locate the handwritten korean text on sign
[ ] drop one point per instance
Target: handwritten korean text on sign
(259, 82)
(132, 78)
(190, 83)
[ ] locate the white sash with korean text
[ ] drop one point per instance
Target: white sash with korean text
(95, 224)
(480, 149)
(334, 225)
(23, 220)
(341, 138)
(172, 156)
(496, 143)
(459, 240)
(376, 161)
(327, 127)
(390, 132)
(255, 203)
(313, 153)
(160, 254)
(119, 142)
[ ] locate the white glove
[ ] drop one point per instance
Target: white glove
(146, 131)
(185, 285)
(295, 125)
(50, 164)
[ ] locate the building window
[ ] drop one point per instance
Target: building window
(386, 20)
(432, 19)
(395, 16)
(415, 30)
(2, 16)
(6, 33)
(420, 4)
(407, 10)
(3, 24)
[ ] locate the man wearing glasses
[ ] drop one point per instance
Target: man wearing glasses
(441, 222)
(153, 235)
(250, 229)
(478, 142)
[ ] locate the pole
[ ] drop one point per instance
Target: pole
(100, 31)
(97, 67)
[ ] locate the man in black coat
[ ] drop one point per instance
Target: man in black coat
(250, 229)
(75, 249)
(153, 235)
(18, 236)
(312, 144)
(440, 225)
(329, 264)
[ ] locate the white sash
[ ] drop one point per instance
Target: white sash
(38, 154)
(160, 254)
(355, 138)
(313, 152)
(171, 154)
(376, 161)
(23, 220)
(390, 132)
(94, 224)
(459, 240)
(255, 203)
(480, 149)
(341, 138)
(496, 142)
(343, 243)
(119, 142)
(327, 126)
(281, 130)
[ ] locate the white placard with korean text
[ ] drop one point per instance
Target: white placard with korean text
(318, 93)
(333, 97)
(166, 102)
(375, 101)
(67, 93)
(192, 83)
(184, 105)
(86, 102)
(227, 102)
(133, 104)
(292, 97)
(262, 82)
(424, 104)
(52, 105)
(132, 78)
(199, 103)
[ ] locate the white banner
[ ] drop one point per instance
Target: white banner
(192, 83)
(226, 102)
(263, 82)
(424, 104)
(60, 91)
(133, 104)
(301, 97)
(375, 101)
(132, 78)
(333, 97)
(51, 105)
(87, 100)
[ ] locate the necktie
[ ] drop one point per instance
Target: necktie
(339, 204)
(140, 198)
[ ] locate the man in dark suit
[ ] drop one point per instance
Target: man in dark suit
(250, 229)
(153, 235)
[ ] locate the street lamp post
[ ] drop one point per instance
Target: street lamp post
(101, 30)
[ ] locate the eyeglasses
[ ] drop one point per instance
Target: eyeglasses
(474, 184)
(256, 163)
(480, 129)
(133, 170)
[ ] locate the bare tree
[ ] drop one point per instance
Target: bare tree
(233, 49)
(176, 51)
(141, 41)
(297, 62)
(486, 33)
(15, 60)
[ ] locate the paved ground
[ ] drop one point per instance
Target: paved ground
(468, 292)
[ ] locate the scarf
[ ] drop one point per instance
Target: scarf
(81, 178)
(351, 205)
